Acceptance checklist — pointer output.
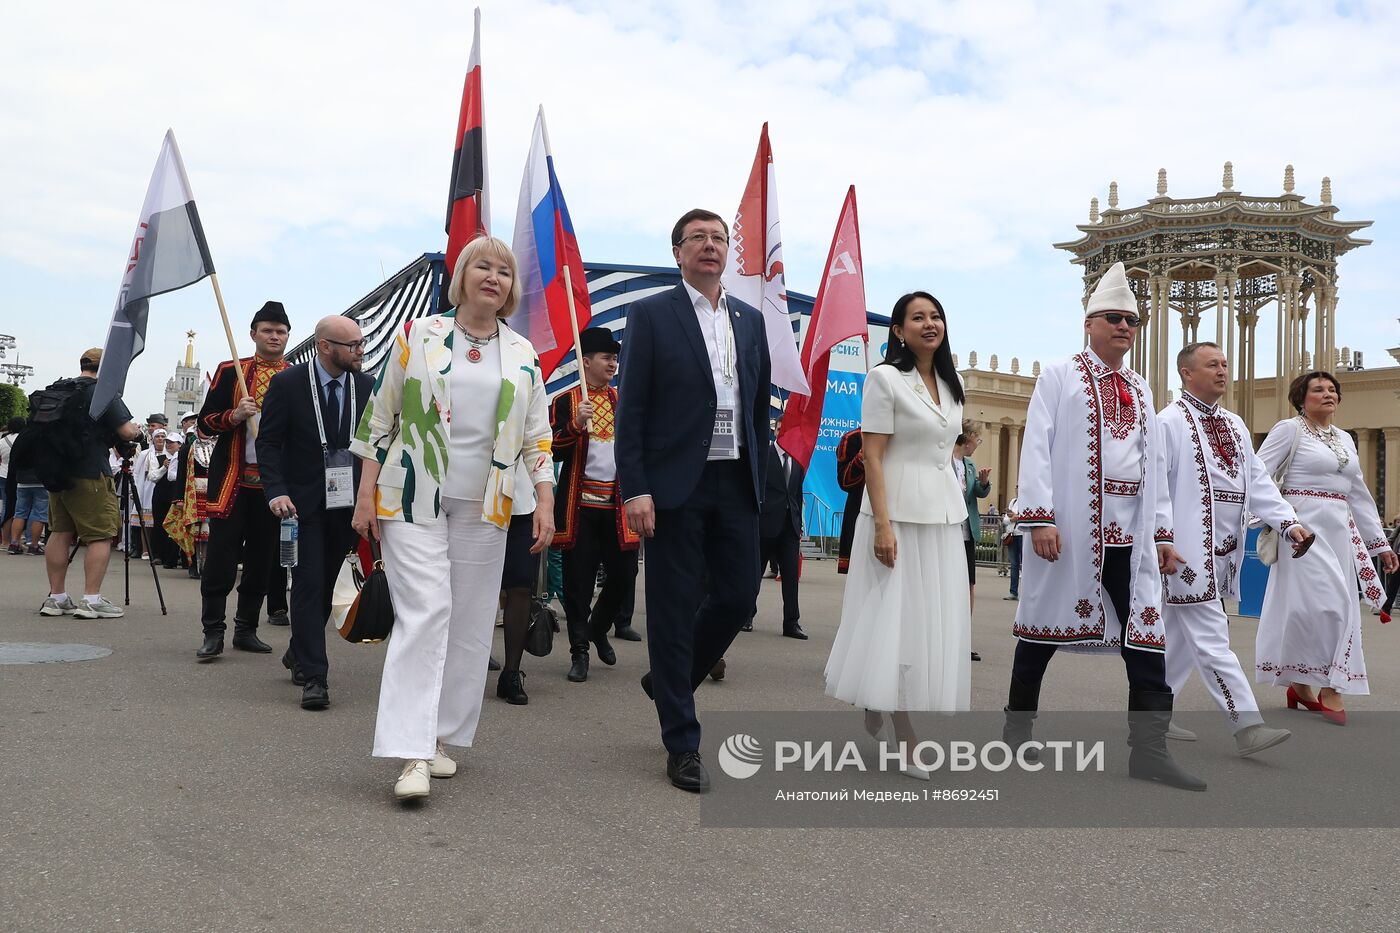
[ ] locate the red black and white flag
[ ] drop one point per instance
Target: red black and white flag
(169, 252)
(468, 205)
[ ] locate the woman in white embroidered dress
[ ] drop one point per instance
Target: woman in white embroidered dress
(1309, 637)
(903, 643)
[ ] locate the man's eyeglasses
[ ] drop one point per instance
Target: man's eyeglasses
(700, 239)
(1114, 318)
(352, 345)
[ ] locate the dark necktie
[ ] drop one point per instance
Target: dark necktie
(333, 413)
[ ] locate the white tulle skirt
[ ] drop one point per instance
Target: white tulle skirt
(905, 633)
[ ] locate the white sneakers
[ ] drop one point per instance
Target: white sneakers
(1258, 737)
(414, 779)
(102, 609)
(53, 607)
(441, 766)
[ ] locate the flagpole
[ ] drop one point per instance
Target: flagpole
(578, 347)
(233, 347)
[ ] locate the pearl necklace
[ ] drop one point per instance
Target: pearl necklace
(1331, 439)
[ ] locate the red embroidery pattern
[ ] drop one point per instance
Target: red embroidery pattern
(1377, 544)
(1316, 494)
(1036, 515)
(1369, 588)
(1207, 528)
(1225, 495)
(1118, 414)
(1162, 535)
(1325, 670)
(1227, 546)
(1229, 698)
(1083, 608)
(1121, 487)
(1114, 536)
(1187, 575)
(1149, 616)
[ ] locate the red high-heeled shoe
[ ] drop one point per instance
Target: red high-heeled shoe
(1334, 716)
(1294, 701)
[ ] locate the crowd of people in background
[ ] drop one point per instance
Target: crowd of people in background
(453, 465)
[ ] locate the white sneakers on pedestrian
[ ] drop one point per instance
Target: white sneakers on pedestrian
(53, 607)
(1179, 734)
(441, 766)
(1258, 737)
(102, 609)
(413, 781)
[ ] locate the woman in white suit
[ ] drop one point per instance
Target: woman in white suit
(903, 642)
(458, 403)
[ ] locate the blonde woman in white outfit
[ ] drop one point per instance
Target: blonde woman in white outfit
(458, 404)
(905, 632)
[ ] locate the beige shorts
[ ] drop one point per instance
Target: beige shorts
(89, 509)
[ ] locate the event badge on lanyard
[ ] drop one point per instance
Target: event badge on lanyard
(724, 442)
(339, 464)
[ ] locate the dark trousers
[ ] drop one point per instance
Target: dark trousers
(322, 543)
(248, 533)
(595, 545)
(277, 579)
(701, 587)
(1391, 585)
(162, 548)
(783, 550)
(1146, 669)
(1013, 553)
(629, 604)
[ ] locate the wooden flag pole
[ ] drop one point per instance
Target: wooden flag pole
(233, 347)
(578, 347)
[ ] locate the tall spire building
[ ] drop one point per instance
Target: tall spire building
(185, 392)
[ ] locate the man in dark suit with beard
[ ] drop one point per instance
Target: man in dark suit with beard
(308, 417)
(692, 450)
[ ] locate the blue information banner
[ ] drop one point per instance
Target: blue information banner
(840, 413)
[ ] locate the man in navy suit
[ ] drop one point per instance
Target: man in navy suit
(309, 414)
(780, 531)
(692, 450)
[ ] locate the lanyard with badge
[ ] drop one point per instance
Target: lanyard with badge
(724, 442)
(339, 464)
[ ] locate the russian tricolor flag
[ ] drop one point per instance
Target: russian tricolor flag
(544, 245)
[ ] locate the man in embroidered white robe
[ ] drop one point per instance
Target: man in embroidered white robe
(1215, 479)
(1093, 502)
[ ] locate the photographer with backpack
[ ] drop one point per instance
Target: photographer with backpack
(69, 452)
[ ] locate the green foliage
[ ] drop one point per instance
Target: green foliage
(13, 402)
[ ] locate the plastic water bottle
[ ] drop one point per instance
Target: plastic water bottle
(288, 547)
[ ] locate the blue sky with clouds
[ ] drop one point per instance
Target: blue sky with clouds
(318, 145)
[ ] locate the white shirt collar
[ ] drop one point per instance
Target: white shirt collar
(1200, 405)
(696, 297)
(1101, 368)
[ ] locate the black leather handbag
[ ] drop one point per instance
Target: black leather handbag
(371, 615)
(539, 637)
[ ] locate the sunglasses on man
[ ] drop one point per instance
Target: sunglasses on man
(1115, 318)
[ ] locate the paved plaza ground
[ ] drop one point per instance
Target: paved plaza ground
(143, 791)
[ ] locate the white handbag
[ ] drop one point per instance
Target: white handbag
(1267, 545)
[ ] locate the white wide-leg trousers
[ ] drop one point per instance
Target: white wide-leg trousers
(445, 578)
(1198, 638)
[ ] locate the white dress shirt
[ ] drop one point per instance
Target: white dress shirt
(718, 332)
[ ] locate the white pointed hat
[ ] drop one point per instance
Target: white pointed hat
(1112, 293)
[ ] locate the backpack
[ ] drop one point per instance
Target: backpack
(54, 441)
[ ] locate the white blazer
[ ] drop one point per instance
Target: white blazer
(919, 480)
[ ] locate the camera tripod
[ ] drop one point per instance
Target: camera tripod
(129, 494)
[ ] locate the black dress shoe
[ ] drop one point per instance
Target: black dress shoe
(278, 618)
(492, 664)
(687, 772)
(510, 689)
(627, 633)
(213, 647)
(717, 672)
(747, 626)
(578, 670)
(646, 686)
(290, 664)
(793, 629)
(315, 695)
(976, 656)
(248, 640)
(606, 654)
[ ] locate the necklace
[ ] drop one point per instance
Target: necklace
(1331, 439)
(476, 343)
